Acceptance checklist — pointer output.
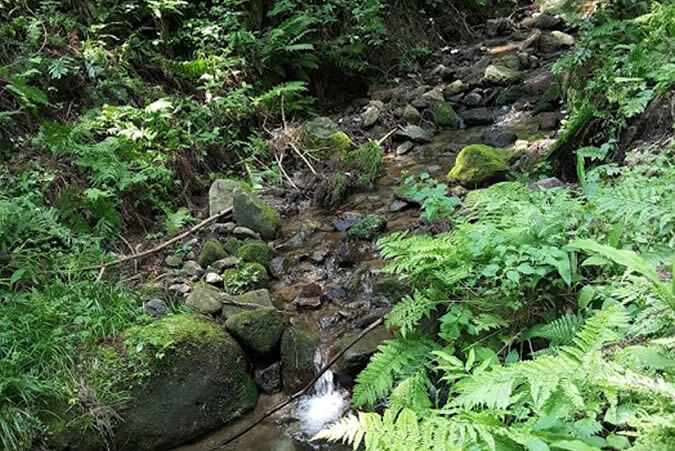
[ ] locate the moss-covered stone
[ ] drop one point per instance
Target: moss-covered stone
(501, 75)
(259, 330)
(232, 245)
(549, 99)
(211, 251)
(445, 115)
(298, 348)
(256, 214)
(177, 368)
(341, 142)
(256, 252)
(366, 228)
(478, 163)
(246, 277)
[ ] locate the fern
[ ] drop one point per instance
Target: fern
(394, 360)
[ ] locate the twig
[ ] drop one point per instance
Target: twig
(168, 243)
(131, 249)
(391, 132)
(100, 274)
(294, 147)
(363, 333)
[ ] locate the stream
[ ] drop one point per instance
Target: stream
(314, 252)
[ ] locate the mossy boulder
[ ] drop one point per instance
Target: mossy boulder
(256, 252)
(183, 376)
(256, 215)
(368, 227)
(232, 245)
(211, 251)
(478, 164)
(245, 277)
(341, 142)
(298, 348)
(205, 298)
(445, 115)
(549, 99)
(259, 330)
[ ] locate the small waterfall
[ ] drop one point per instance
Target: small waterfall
(324, 405)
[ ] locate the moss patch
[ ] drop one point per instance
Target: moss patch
(256, 252)
(368, 227)
(298, 346)
(246, 277)
(367, 160)
(232, 245)
(341, 142)
(211, 251)
(259, 330)
(478, 163)
(445, 114)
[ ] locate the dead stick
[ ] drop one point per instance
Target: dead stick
(363, 333)
(391, 132)
(199, 226)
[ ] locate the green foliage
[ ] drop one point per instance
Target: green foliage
(535, 346)
(366, 228)
(367, 161)
(430, 195)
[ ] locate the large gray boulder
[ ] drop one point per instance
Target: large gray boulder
(233, 304)
(205, 299)
(255, 214)
(221, 195)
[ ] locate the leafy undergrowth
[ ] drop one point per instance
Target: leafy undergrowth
(543, 320)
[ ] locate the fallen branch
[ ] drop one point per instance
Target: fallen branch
(391, 132)
(166, 244)
(307, 387)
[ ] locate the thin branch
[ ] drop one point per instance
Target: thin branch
(391, 132)
(311, 168)
(307, 387)
(168, 243)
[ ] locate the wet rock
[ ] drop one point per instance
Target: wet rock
(370, 116)
(454, 88)
(415, 133)
(523, 59)
(478, 116)
(508, 95)
(205, 299)
(500, 75)
(295, 242)
(245, 277)
(419, 102)
(398, 205)
(474, 98)
(211, 251)
(478, 164)
(538, 83)
(192, 268)
(404, 148)
(287, 293)
(311, 290)
(298, 348)
(497, 137)
(308, 302)
(555, 41)
(222, 228)
(173, 261)
(221, 195)
(255, 214)
(540, 20)
(155, 308)
(277, 267)
(548, 121)
(335, 294)
(269, 378)
(549, 100)
(509, 61)
(213, 278)
(180, 288)
(203, 376)
(495, 27)
(256, 252)
(347, 254)
(417, 92)
(245, 302)
(245, 233)
(343, 224)
(223, 264)
(367, 228)
(411, 114)
(319, 256)
(355, 359)
(544, 184)
(384, 95)
(369, 317)
(259, 330)
(478, 69)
